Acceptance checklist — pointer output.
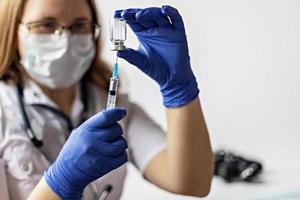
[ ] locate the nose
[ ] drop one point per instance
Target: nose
(62, 29)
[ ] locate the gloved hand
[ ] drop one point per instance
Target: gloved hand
(163, 53)
(92, 150)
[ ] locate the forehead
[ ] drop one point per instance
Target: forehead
(64, 11)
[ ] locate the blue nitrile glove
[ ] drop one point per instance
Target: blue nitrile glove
(92, 150)
(163, 53)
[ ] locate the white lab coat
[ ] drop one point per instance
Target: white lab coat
(22, 165)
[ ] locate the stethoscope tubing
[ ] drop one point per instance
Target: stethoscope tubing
(39, 143)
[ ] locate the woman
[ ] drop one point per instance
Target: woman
(52, 80)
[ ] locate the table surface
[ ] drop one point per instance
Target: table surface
(280, 179)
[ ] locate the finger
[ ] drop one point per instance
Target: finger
(153, 15)
(129, 16)
(107, 164)
(135, 58)
(119, 161)
(110, 149)
(174, 15)
(105, 118)
(108, 134)
(144, 19)
(148, 25)
(118, 13)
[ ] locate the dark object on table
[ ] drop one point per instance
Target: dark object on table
(232, 167)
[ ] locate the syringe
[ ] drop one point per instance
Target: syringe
(113, 87)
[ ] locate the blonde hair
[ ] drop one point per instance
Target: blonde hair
(10, 71)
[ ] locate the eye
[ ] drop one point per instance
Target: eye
(47, 25)
(81, 27)
(44, 27)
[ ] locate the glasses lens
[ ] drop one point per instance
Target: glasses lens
(82, 28)
(54, 28)
(43, 27)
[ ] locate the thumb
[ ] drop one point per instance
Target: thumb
(135, 58)
(105, 118)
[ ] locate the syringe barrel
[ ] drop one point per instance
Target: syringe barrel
(112, 93)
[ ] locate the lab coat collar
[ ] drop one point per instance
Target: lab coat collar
(34, 95)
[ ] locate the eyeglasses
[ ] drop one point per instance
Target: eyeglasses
(49, 27)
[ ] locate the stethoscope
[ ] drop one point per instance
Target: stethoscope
(33, 133)
(33, 130)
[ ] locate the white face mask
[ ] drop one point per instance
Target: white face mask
(57, 61)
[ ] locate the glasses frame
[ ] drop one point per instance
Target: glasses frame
(61, 28)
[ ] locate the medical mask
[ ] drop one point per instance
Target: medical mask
(57, 61)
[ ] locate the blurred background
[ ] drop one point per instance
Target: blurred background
(245, 55)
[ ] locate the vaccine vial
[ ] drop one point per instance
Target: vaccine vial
(118, 33)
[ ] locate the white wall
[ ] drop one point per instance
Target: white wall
(245, 56)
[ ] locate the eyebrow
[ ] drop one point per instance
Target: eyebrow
(83, 19)
(46, 19)
(78, 19)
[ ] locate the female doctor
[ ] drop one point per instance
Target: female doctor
(54, 142)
